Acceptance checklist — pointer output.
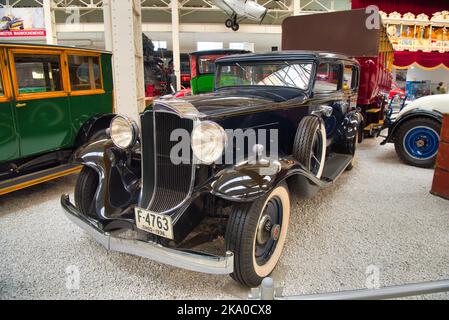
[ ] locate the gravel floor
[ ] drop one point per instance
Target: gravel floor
(381, 214)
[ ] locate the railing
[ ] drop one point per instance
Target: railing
(267, 291)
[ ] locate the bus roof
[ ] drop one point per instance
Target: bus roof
(49, 46)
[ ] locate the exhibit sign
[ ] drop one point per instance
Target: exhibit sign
(22, 22)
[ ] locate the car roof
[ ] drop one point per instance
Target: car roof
(49, 46)
(288, 55)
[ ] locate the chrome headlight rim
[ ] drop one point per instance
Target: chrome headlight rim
(223, 140)
(133, 131)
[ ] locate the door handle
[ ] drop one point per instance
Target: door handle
(21, 105)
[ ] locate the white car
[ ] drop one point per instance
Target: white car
(416, 130)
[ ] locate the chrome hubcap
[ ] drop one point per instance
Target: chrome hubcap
(267, 230)
(420, 143)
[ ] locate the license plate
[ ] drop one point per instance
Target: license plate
(154, 223)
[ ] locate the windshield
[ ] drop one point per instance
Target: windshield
(279, 73)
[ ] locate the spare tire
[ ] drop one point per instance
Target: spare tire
(309, 147)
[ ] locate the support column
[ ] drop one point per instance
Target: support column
(127, 48)
(296, 7)
(175, 41)
(50, 22)
(108, 24)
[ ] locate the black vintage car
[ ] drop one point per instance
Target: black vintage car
(222, 164)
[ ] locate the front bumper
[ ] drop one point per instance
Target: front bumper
(189, 260)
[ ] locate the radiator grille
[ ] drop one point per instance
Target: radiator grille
(171, 183)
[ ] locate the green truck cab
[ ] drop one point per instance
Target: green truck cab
(202, 68)
(53, 99)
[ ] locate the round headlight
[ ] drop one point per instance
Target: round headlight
(124, 132)
(208, 141)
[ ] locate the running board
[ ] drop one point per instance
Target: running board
(336, 164)
(32, 179)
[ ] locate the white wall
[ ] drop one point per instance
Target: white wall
(435, 76)
(188, 40)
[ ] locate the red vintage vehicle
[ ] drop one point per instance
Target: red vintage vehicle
(396, 91)
(346, 32)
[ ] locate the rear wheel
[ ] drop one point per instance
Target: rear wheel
(417, 142)
(354, 153)
(309, 147)
(235, 27)
(85, 190)
(256, 234)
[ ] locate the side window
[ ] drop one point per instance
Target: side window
(38, 73)
(85, 73)
(350, 78)
(327, 77)
(206, 64)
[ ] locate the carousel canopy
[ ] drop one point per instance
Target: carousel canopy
(427, 7)
(425, 60)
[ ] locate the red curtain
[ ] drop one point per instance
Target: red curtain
(416, 7)
(426, 60)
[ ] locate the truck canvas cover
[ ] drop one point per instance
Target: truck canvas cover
(343, 32)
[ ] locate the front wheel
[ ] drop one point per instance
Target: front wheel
(256, 234)
(417, 142)
(85, 190)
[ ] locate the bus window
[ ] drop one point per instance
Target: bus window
(38, 73)
(84, 72)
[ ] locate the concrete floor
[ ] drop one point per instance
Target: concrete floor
(381, 214)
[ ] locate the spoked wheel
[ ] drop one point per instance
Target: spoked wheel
(316, 156)
(256, 234)
(309, 147)
(417, 142)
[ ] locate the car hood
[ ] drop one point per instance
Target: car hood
(439, 102)
(215, 105)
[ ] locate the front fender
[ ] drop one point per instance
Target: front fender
(393, 128)
(251, 182)
(93, 125)
(107, 161)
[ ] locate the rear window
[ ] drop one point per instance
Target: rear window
(38, 73)
(84, 72)
(350, 78)
(327, 77)
(206, 63)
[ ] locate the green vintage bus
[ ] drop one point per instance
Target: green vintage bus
(202, 68)
(53, 99)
